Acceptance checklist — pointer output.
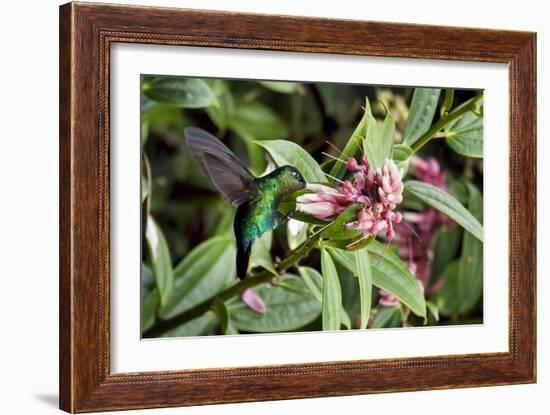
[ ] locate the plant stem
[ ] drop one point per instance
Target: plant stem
(292, 258)
(447, 102)
(470, 105)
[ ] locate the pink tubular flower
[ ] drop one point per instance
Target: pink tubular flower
(377, 191)
(420, 227)
(428, 171)
(391, 186)
(415, 234)
(386, 299)
(253, 301)
(322, 205)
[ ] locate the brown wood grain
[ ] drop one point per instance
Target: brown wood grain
(86, 33)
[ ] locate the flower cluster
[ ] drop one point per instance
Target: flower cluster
(428, 171)
(419, 227)
(378, 191)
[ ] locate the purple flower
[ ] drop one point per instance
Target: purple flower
(253, 301)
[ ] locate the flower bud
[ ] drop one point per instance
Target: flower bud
(253, 301)
(320, 210)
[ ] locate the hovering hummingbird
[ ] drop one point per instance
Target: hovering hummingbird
(257, 198)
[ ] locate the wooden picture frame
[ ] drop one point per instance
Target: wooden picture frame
(86, 33)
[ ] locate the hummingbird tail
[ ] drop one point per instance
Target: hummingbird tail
(243, 257)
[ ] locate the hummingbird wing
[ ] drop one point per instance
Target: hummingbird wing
(227, 173)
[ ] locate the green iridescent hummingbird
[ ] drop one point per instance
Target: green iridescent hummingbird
(257, 198)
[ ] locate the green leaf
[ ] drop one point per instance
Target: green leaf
(337, 229)
(144, 188)
(350, 245)
(332, 293)
(204, 272)
(434, 311)
(287, 309)
(283, 87)
(147, 281)
(463, 279)
(459, 190)
(146, 105)
(149, 309)
(223, 315)
(261, 256)
(421, 113)
(144, 127)
(288, 153)
(339, 101)
(344, 258)
(364, 274)
(447, 205)
(159, 257)
(387, 317)
(389, 273)
(224, 225)
(314, 281)
(196, 327)
(446, 244)
(465, 135)
(379, 140)
(470, 271)
(344, 318)
(387, 134)
(401, 154)
(351, 300)
(354, 143)
(165, 119)
(180, 92)
(221, 114)
(448, 300)
(254, 119)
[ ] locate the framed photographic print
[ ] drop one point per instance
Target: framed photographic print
(253, 208)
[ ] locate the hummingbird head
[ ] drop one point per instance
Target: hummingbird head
(290, 179)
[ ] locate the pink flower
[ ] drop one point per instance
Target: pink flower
(415, 234)
(253, 301)
(386, 299)
(428, 171)
(377, 191)
(321, 210)
(322, 205)
(391, 186)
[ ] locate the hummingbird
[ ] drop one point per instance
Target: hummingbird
(257, 198)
